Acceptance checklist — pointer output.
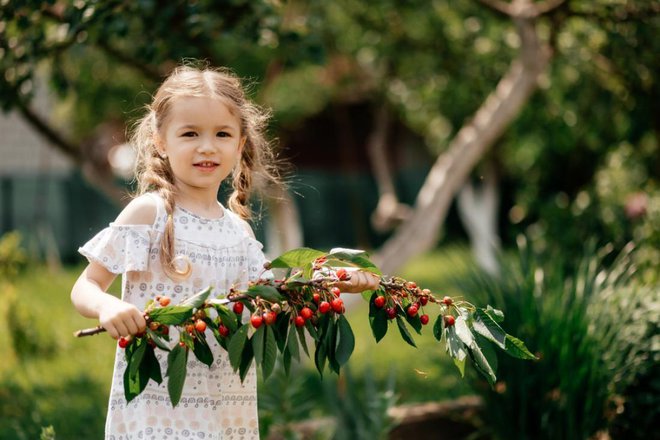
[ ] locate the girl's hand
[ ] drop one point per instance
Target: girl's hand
(359, 282)
(120, 318)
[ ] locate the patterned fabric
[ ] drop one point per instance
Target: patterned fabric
(214, 404)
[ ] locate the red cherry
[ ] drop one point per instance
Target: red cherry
(269, 317)
(316, 297)
(391, 312)
(164, 301)
(306, 313)
(200, 326)
(123, 342)
(337, 305)
(299, 321)
(223, 330)
(335, 291)
(447, 301)
(424, 300)
(412, 310)
(449, 320)
(238, 308)
(256, 321)
(412, 285)
(379, 301)
(165, 330)
(182, 344)
(342, 274)
(424, 319)
(324, 307)
(190, 328)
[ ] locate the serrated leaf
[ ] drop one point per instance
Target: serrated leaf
(495, 315)
(269, 293)
(202, 351)
(296, 258)
(171, 315)
(405, 334)
(197, 299)
(158, 340)
(227, 317)
(462, 331)
(346, 343)
(270, 353)
(455, 346)
(177, 361)
(516, 348)
(258, 344)
(292, 344)
(235, 347)
(484, 325)
(437, 328)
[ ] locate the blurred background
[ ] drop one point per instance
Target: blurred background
(506, 152)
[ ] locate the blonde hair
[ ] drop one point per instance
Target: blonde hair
(257, 163)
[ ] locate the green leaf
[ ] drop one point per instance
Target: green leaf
(296, 258)
(495, 315)
(171, 315)
(258, 344)
(486, 326)
(151, 365)
(460, 365)
(269, 293)
(281, 330)
(346, 343)
(379, 325)
(331, 337)
(405, 334)
(312, 330)
(158, 340)
(133, 386)
(177, 362)
(270, 353)
(437, 328)
(246, 360)
(482, 365)
(227, 317)
(136, 356)
(197, 300)
(320, 356)
(292, 344)
(202, 351)
(463, 332)
(235, 347)
(488, 350)
(286, 361)
(415, 323)
(516, 348)
(455, 346)
(303, 340)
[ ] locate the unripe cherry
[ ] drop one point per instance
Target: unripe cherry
(200, 326)
(337, 305)
(424, 319)
(380, 301)
(238, 308)
(299, 321)
(412, 285)
(153, 325)
(276, 308)
(190, 328)
(324, 307)
(256, 321)
(164, 301)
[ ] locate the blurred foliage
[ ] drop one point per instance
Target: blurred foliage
(12, 256)
(588, 323)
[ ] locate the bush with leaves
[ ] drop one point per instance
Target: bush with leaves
(305, 302)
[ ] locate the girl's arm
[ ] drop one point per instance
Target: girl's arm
(88, 294)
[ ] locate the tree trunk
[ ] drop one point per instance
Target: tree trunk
(420, 233)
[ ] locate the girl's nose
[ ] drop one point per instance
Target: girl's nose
(205, 145)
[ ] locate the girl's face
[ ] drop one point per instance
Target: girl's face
(203, 142)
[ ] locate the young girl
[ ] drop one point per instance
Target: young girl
(175, 239)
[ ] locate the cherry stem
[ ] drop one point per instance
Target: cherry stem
(89, 332)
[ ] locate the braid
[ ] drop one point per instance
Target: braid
(242, 183)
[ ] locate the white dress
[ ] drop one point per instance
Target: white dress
(214, 404)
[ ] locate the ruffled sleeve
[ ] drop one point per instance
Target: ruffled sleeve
(256, 260)
(120, 248)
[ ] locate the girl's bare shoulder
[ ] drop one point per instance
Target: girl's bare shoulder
(140, 211)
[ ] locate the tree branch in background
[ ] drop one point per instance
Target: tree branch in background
(389, 213)
(448, 174)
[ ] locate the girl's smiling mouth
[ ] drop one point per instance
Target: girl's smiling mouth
(206, 165)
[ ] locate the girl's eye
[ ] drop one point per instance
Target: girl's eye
(189, 134)
(223, 134)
